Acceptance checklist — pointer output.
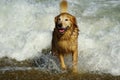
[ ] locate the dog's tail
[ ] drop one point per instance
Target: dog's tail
(63, 6)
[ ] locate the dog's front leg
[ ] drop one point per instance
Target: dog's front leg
(62, 63)
(75, 61)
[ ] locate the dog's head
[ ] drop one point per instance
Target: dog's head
(64, 22)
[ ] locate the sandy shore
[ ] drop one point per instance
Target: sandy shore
(39, 75)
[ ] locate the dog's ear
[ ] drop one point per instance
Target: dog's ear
(74, 21)
(75, 26)
(55, 20)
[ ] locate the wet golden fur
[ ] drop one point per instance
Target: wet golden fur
(66, 40)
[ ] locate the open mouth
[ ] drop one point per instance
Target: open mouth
(62, 30)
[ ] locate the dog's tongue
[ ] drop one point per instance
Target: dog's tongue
(61, 30)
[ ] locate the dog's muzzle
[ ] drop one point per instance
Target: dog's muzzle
(61, 29)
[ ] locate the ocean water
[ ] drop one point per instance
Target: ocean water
(26, 29)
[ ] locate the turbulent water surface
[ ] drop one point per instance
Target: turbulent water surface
(26, 27)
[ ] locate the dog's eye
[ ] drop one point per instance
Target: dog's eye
(59, 19)
(66, 19)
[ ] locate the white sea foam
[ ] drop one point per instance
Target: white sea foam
(25, 30)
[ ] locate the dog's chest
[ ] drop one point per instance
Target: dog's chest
(66, 45)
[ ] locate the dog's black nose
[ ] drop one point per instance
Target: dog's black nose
(59, 25)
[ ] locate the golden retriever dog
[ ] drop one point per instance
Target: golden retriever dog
(65, 37)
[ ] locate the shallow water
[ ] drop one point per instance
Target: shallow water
(26, 27)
